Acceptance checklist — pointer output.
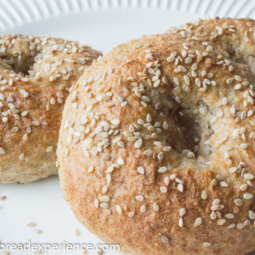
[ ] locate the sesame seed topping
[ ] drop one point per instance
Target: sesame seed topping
(180, 222)
(162, 170)
(165, 239)
(140, 170)
(229, 216)
(155, 207)
(206, 244)
(138, 143)
(182, 212)
(248, 176)
(119, 210)
(221, 222)
(180, 187)
(251, 215)
(143, 208)
(238, 202)
(2, 151)
(198, 222)
(204, 195)
(247, 196)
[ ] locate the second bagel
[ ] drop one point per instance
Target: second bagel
(35, 76)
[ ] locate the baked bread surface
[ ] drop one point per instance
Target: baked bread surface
(156, 148)
(35, 76)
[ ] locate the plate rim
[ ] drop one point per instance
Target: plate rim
(15, 13)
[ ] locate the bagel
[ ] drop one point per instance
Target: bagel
(35, 75)
(156, 147)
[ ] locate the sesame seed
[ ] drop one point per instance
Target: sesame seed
(232, 170)
(213, 183)
(220, 177)
(4, 252)
(170, 59)
(243, 187)
(91, 169)
(240, 226)
(31, 224)
(165, 126)
(140, 170)
(213, 215)
(190, 155)
(209, 48)
(180, 222)
(229, 216)
(155, 207)
(198, 222)
(223, 184)
(182, 68)
(2, 151)
(188, 60)
(21, 156)
(100, 252)
(243, 145)
(163, 189)
(167, 148)
(215, 207)
(143, 208)
(247, 196)
(164, 239)
(120, 161)
(238, 202)
(180, 187)
(182, 212)
(39, 251)
(172, 176)
(186, 79)
(77, 232)
(251, 215)
(204, 195)
(162, 170)
(49, 149)
(104, 199)
(96, 203)
(148, 153)
(156, 83)
(224, 100)
(139, 198)
(206, 244)
(221, 222)
(138, 143)
(216, 201)
(131, 214)
(109, 178)
(119, 210)
(231, 226)
(88, 144)
(248, 176)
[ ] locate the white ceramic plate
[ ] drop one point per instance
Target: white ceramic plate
(102, 24)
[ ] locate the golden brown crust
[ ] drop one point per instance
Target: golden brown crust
(35, 75)
(156, 148)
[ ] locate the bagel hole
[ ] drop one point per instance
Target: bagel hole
(18, 66)
(193, 133)
(236, 58)
(247, 62)
(189, 130)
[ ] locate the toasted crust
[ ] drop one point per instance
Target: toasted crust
(156, 148)
(35, 76)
